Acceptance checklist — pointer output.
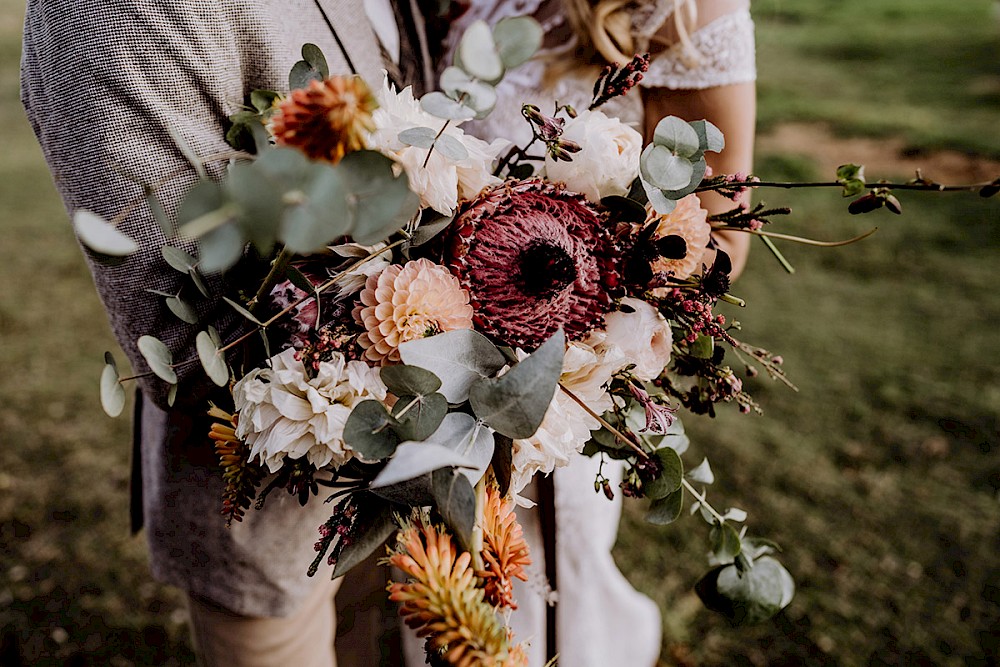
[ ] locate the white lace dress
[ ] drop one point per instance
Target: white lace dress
(601, 620)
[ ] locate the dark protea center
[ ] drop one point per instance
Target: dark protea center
(534, 257)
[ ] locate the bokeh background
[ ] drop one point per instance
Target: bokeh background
(879, 478)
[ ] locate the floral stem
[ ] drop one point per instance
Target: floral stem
(798, 239)
(603, 422)
(701, 499)
(277, 272)
(777, 254)
(926, 187)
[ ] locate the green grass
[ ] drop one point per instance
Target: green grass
(880, 477)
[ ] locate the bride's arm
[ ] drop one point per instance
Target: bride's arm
(733, 109)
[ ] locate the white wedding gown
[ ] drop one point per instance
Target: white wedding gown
(601, 620)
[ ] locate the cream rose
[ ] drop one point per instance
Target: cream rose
(608, 161)
(641, 335)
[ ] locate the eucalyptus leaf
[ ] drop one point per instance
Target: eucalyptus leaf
(212, 359)
(456, 503)
(502, 461)
(414, 459)
(657, 198)
(699, 168)
(702, 473)
(242, 311)
(428, 230)
(423, 415)
(670, 479)
(421, 137)
(172, 395)
(451, 148)
(710, 138)
(158, 358)
(195, 275)
(322, 214)
(517, 39)
(182, 309)
(481, 97)
(473, 441)
(458, 358)
(665, 511)
(665, 170)
(515, 403)
(415, 492)
(101, 236)
(404, 380)
(677, 136)
(263, 100)
(178, 259)
(725, 543)
(747, 597)
(374, 533)
(478, 52)
(440, 105)
(369, 431)
(312, 67)
(156, 209)
(112, 391)
(381, 202)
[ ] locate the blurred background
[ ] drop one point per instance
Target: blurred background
(880, 477)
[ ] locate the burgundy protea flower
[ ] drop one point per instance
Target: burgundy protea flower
(534, 257)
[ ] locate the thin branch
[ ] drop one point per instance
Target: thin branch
(799, 239)
(927, 186)
(618, 434)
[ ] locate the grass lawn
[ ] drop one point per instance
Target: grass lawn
(880, 477)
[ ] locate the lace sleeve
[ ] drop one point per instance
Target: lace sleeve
(725, 54)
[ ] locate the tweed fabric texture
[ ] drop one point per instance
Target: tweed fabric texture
(104, 83)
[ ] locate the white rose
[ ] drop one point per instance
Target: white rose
(442, 182)
(642, 336)
(608, 161)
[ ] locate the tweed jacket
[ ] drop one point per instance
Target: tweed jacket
(106, 85)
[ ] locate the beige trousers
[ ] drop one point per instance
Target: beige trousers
(358, 631)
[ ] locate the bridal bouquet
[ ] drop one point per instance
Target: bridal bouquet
(437, 319)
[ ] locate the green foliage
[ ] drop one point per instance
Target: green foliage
(312, 67)
(666, 510)
(370, 431)
(213, 360)
(158, 357)
(458, 358)
(673, 164)
(455, 501)
(747, 596)
(669, 480)
(101, 236)
(515, 402)
(112, 391)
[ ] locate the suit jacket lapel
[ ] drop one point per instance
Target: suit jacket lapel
(353, 31)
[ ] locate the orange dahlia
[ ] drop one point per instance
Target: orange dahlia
(327, 119)
(402, 303)
(689, 221)
(505, 553)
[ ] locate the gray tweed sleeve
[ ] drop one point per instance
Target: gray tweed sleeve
(103, 82)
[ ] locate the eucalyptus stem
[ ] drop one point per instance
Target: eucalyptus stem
(319, 290)
(278, 267)
(777, 254)
(603, 422)
(701, 499)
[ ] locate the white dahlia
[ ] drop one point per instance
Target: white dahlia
(283, 412)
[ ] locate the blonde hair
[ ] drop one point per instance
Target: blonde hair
(604, 28)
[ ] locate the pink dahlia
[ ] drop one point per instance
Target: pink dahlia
(406, 302)
(689, 221)
(534, 257)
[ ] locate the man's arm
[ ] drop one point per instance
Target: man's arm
(103, 83)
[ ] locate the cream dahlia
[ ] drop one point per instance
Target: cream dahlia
(534, 257)
(327, 119)
(283, 412)
(689, 221)
(402, 303)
